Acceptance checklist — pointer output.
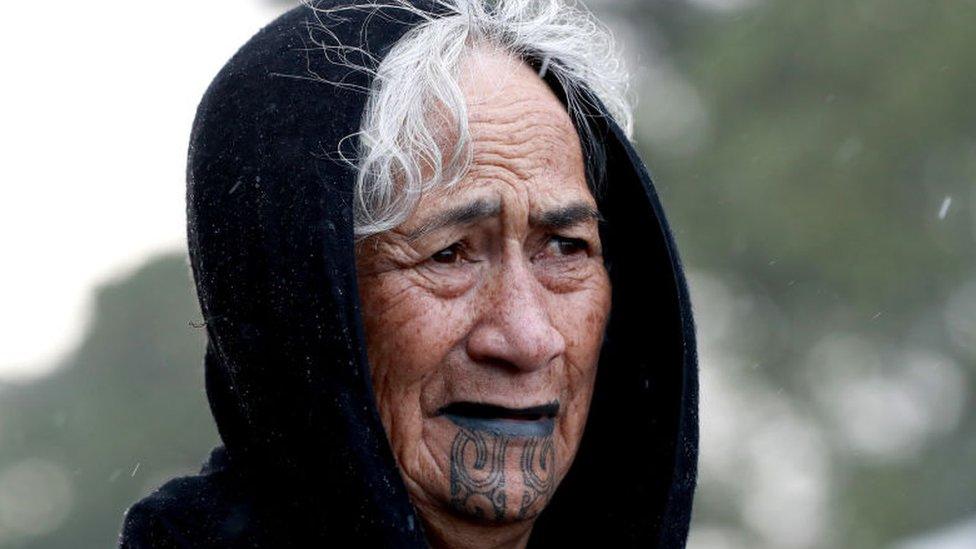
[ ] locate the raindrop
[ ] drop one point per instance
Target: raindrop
(944, 210)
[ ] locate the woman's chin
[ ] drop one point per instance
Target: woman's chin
(493, 475)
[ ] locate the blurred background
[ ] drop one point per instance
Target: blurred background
(818, 162)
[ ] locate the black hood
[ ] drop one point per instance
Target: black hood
(272, 249)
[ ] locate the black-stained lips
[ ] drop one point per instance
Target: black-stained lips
(533, 421)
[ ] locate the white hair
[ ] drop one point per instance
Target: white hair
(414, 131)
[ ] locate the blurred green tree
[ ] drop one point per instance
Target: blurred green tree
(832, 184)
(126, 411)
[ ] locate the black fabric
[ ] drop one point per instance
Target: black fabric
(305, 460)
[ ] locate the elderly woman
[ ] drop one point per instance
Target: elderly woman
(429, 259)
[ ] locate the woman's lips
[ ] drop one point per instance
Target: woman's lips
(534, 421)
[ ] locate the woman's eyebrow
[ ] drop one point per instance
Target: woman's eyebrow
(565, 216)
(475, 210)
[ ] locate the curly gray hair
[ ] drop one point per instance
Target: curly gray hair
(415, 100)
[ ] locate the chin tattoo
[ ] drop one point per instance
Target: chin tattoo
(482, 486)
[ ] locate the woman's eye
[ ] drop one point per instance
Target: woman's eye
(447, 256)
(568, 246)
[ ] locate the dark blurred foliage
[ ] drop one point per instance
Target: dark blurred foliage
(824, 194)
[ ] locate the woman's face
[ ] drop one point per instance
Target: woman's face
(485, 310)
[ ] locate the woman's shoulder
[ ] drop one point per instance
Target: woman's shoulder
(203, 510)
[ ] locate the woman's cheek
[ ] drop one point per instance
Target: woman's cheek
(410, 331)
(583, 323)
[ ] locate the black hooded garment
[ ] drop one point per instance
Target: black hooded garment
(305, 461)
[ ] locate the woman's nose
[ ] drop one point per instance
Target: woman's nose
(515, 328)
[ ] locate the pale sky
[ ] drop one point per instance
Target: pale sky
(95, 112)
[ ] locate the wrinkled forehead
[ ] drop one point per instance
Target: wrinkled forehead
(498, 86)
(522, 135)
